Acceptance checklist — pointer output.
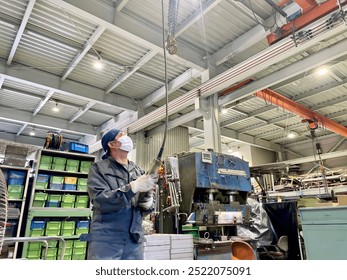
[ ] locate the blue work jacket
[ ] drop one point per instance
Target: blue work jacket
(116, 216)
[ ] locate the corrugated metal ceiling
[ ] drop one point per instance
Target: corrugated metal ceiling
(41, 72)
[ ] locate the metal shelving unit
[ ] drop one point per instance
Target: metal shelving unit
(49, 214)
(15, 204)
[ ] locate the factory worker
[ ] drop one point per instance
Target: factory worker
(121, 196)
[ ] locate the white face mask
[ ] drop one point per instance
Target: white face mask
(127, 143)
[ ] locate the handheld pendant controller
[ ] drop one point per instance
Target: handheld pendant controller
(154, 167)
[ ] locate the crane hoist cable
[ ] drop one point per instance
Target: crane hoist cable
(156, 163)
(172, 23)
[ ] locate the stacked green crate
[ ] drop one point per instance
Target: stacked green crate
(15, 184)
(53, 200)
(45, 162)
(68, 250)
(67, 228)
(53, 228)
(82, 201)
(15, 191)
(42, 181)
(82, 184)
(82, 227)
(58, 163)
(34, 251)
(51, 253)
(68, 201)
(85, 166)
(40, 199)
(56, 182)
(72, 165)
(79, 250)
(34, 248)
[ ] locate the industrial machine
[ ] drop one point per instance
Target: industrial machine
(204, 193)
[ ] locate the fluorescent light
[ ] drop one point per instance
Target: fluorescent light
(322, 71)
(291, 135)
(98, 64)
(56, 108)
(32, 133)
(224, 111)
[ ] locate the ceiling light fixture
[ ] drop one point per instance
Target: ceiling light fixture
(291, 135)
(224, 110)
(32, 132)
(98, 64)
(56, 108)
(322, 71)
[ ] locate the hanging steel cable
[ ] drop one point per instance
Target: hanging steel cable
(172, 24)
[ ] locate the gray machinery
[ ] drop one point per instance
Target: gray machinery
(206, 192)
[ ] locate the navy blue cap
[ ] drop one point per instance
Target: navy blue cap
(108, 137)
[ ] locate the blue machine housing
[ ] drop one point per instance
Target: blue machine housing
(208, 180)
(216, 174)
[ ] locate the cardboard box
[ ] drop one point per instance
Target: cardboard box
(342, 199)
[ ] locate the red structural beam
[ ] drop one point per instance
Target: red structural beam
(306, 18)
(235, 87)
(281, 101)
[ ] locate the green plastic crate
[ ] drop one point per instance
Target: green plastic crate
(53, 225)
(45, 166)
(79, 244)
(78, 257)
(68, 224)
(58, 167)
(36, 232)
(67, 229)
(82, 181)
(34, 254)
(68, 198)
(54, 197)
(39, 203)
(66, 257)
(41, 185)
(86, 164)
(56, 180)
(15, 196)
(79, 251)
(46, 159)
(73, 162)
(40, 196)
(80, 231)
(15, 189)
(68, 244)
(59, 160)
(52, 232)
(34, 246)
(51, 252)
(82, 198)
(68, 251)
(84, 170)
(82, 188)
(81, 205)
(67, 205)
(71, 168)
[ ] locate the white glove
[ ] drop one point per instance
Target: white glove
(146, 205)
(144, 183)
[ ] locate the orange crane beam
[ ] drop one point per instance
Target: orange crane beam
(311, 13)
(289, 105)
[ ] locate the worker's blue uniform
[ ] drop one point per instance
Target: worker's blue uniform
(116, 227)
